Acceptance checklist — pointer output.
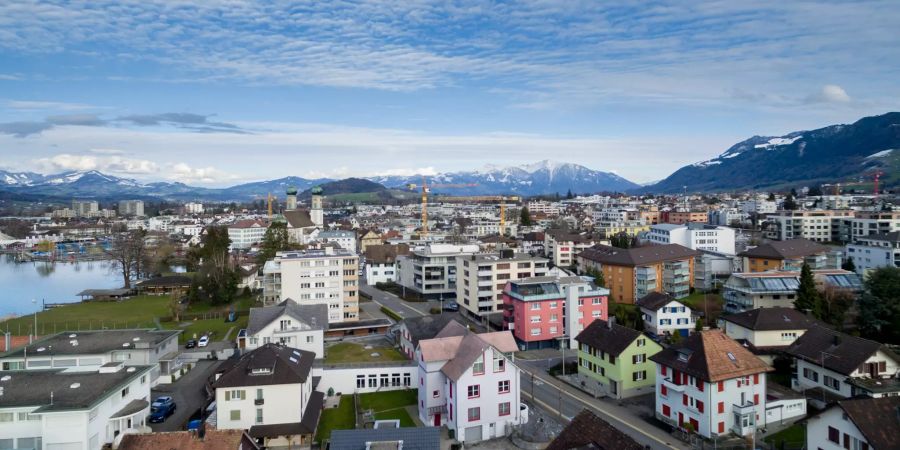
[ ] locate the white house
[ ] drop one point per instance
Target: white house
(414, 329)
(711, 385)
(695, 236)
(766, 331)
(57, 409)
(663, 315)
(246, 233)
(857, 424)
(269, 391)
(470, 384)
(287, 323)
(874, 251)
(381, 262)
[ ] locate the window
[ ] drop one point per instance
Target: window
(831, 382)
(595, 301)
(435, 394)
(553, 330)
(478, 367)
(503, 387)
(474, 391)
(638, 359)
(259, 415)
(7, 417)
(639, 375)
(499, 363)
(360, 381)
(474, 414)
(721, 408)
(535, 319)
(407, 380)
(503, 409)
(641, 342)
(554, 317)
(535, 306)
(235, 394)
(125, 392)
(259, 394)
(834, 435)
(810, 374)
(235, 414)
(535, 331)
(552, 305)
(663, 390)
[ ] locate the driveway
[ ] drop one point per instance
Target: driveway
(188, 393)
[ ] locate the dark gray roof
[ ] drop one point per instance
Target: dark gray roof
(791, 248)
(421, 438)
(305, 426)
(877, 418)
(893, 236)
(33, 387)
(132, 407)
(770, 319)
(298, 218)
(104, 292)
(845, 352)
(316, 316)
(609, 337)
(655, 300)
(588, 431)
(93, 342)
(637, 256)
(285, 365)
(427, 327)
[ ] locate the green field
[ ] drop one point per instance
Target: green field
(390, 405)
(349, 352)
(341, 418)
(794, 434)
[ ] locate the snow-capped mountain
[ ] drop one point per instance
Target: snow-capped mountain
(19, 178)
(543, 177)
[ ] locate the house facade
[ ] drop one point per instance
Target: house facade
(664, 315)
(767, 332)
(635, 272)
(326, 276)
(481, 278)
(617, 358)
(289, 324)
(857, 424)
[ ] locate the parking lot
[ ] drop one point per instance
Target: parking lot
(188, 393)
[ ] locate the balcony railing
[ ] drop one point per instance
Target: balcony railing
(746, 408)
(672, 386)
(437, 409)
(259, 401)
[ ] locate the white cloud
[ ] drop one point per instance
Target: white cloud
(428, 171)
(116, 165)
(184, 173)
(833, 93)
(39, 105)
(107, 151)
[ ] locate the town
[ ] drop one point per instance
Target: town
(754, 319)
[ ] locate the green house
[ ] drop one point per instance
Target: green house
(617, 359)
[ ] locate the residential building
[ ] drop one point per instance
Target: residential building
(683, 217)
(857, 424)
(587, 431)
(193, 208)
(561, 246)
(287, 323)
(726, 217)
(328, 276)
(789, 255)
(482, 277)
(833, 365)
(814, 225)
(270, 392)
(630, 228)
(873, 251)
(744, 291)
(547, 312)
(85, 208)
(381, 262)
(532, 243)
(430, 270)
(664, 315)
(131, 208)
(414, 329)
(759, 207)
(635, 272)
(616, 359)
(867, 223)
(470, 384)
(212, 439)
(244, 234)
(387, 438)
(59, 409)
(370, 237)
(695, 236)
(711, 385)
(543, 207)
(346, 239)
(767, 332)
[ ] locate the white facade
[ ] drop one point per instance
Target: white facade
(759, 207)
(193, 208)
(543, 207)
(829, 429)
(328, 276)
(668, 319)
(562, 250)
(431, 270)
(381, 272)
(246, 233)
(131, 208)
(711, 238)
(346, 239)
(243, 407)
(286, 330)
(363, 380)
(481, 278)
(810, 375)
(869, 253)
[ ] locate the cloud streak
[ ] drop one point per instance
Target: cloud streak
(185, 121)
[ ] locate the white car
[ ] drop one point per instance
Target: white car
(203, 342)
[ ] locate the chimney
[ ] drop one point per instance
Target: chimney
(611, 322)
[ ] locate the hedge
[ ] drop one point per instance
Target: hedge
(391, 313)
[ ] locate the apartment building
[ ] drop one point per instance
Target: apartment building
(867, 223)
(683, 217)
(745, 291)
(561, 246)
(815, 225)
(326, 276)
(726, 216)
(470, 384)
(695, 236)
(789, 255)
(858, 424)
(549, 312)
(193, 208)
(430, 270)
(59, 409)
(244, 234)
(873, 251)
(381, 262)
(616, 359)
(759, 206)
(482, 277)
(131, 208)
(85, 208)
(664, 315)
(287, 323)
(269, 392)
(543, 207)
(711, 385)
(630, 228)
(635, 272)
(346, 239)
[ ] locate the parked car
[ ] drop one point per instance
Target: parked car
(191, 343)
(204, 341)
(161, 409)
(450, 305)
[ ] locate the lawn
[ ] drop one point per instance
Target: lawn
(381, 401)
(341, 418)
(199, 327)
(136, 312)
(349, 352)
(794, 434)
(713, 306)
(400, 414)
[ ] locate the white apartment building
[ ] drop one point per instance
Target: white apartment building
(431, 270)
(269, 391)
(816, 225)
(470, 384)
(133, 208)
(85, 208)
(543, 207)
(867, 223)
(759, 207)
(57, 409)
(346, 239)
(663, 315)
(874, 251)
(695, 236)
(561, 246)
(486, 227)
(712, 385)
(726, 216)
(193, 208)
(481, 278)
(857, 424)
(328, 276)
(246, 233)
(287, 323)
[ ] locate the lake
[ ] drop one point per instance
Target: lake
(51, 282)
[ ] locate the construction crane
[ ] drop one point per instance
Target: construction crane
(501, 199)
(426, 189)
(877, 176)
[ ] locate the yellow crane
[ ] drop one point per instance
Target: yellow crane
(500, 199)
(425, 190)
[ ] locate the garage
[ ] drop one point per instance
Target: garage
(473, 434)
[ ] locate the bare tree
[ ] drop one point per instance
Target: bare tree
(128, 252)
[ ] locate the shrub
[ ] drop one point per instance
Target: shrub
(391, 313)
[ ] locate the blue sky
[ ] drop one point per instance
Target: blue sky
(219, 92)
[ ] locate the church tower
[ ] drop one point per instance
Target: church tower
(291, 203)
(315, 212)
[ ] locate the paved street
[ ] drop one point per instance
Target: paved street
(188, 394)
(405, 309)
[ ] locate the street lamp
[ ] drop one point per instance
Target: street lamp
(34, 331)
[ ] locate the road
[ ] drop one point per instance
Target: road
(188, 394)
(404, 308)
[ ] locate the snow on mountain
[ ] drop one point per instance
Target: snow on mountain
(880, 154)
(777, 142)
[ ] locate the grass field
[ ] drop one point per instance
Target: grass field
(390, 405)
(349, 352)
(794, 434)
(136, 312)
(341, 418)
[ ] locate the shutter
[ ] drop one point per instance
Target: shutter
(663, 390)
(699, 406)
(663, 370)
(721, 427)
(684, 399)
(847, 441)
(721, 386)
(721, 408)
(882, 366)
(755, 399)
(227, 395)
(755, 378)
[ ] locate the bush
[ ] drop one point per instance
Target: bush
(391, 313)
(435, 310)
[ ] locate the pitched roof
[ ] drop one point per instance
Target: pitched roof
(655, 300)
(307, 425)
(439, 349)
(267, 365)
(587, 431)
(791, 248)
(770, 319)
(607, 336)
(429, 327)
(637, 256)
(452, 328)
(845, 352)
(878, 419)
(316, 316)
(298, 218)
(711, 356)
(385, 253)
(472, 346)
(214, 439)
(166, 281)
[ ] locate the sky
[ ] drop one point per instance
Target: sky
(216, 93)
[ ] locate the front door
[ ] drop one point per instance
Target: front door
(437, 420)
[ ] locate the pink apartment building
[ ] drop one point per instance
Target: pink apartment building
(546, 312)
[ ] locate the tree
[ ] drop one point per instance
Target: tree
(771, 196)
(128, 252)
(524, 217)
(879, 306)
(814, 191)
(789, 203)
(216, 280)
(808, 297)
(569, 195)
(848, 264)
(597, 275)
(620, 240)
(835, 304)
(275, 240)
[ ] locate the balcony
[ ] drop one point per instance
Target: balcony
(437, 409)
(746, 408)
(485, 273)
(259, 401)
(670, 385)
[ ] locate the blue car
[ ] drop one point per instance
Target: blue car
(161, 409)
